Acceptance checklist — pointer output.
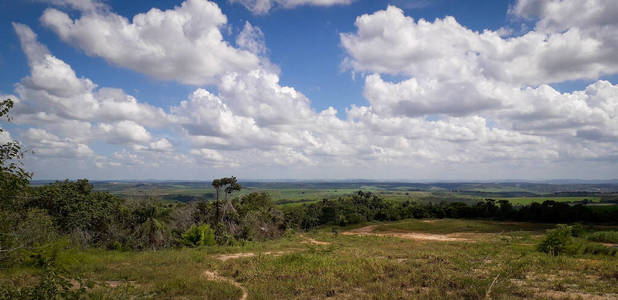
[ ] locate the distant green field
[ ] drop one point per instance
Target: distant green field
(529, 200)
(292, 193)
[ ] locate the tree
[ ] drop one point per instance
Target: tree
(229, 185)
(151, 225)
(13, 184)
(77, 209)
(217, 184)
(13, 178)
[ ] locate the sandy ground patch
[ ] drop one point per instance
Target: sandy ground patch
(309, 240)
(369, 230)
(116, 283)
(213, 276)
(224, 257)
(107, 283)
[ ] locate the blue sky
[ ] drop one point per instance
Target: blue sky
(425, 109)
(304, 42)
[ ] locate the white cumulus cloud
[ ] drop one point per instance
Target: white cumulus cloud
(460, 100)
(183, 44)
(264, 6)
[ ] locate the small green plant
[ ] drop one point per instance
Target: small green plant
(199, 235)
(557, 240)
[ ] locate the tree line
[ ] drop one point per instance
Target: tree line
(73, 211)
(366, 207)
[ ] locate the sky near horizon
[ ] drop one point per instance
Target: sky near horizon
(313, 89)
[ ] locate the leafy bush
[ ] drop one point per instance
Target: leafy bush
(259, 218)
(592, 248)
(604, 236)
(28, 230)
(222, 237)
(74, 206)
(557, 240)
(560, 241)
(199, 235)
(577, 230)
(150, 222)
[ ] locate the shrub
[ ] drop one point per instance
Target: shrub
(199, 235)
(28, 230)
(222, 237)
(76, 209)
(557, 240)
(604, 236)
(577, 230)
(53, 284)
(592, 248)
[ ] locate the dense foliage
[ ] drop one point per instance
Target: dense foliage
(199, 235)
(89, 218)
(366, 207)
(566, 239)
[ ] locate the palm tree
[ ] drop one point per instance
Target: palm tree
(229, 185)
(151, 225)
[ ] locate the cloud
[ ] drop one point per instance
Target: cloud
(74, 108)
(560, 15)
(389, 42)
(413, 4)
(45, 144)
(472, 80)
(54, 88)
(81, 5)
(208, 154)
(264, 6)
(184, 44)
(251, 38)
(415, 97)
(124, 132)
(5, 137)
(545, 111)
(259, 95)
(460, 101)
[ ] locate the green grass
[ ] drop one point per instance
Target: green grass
(444, 226)
(354, 267)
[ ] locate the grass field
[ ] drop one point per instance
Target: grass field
(529, 200)
(489, 259)
(445, 226)
(297, 193)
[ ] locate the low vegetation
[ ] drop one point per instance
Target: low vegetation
(604, 237)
